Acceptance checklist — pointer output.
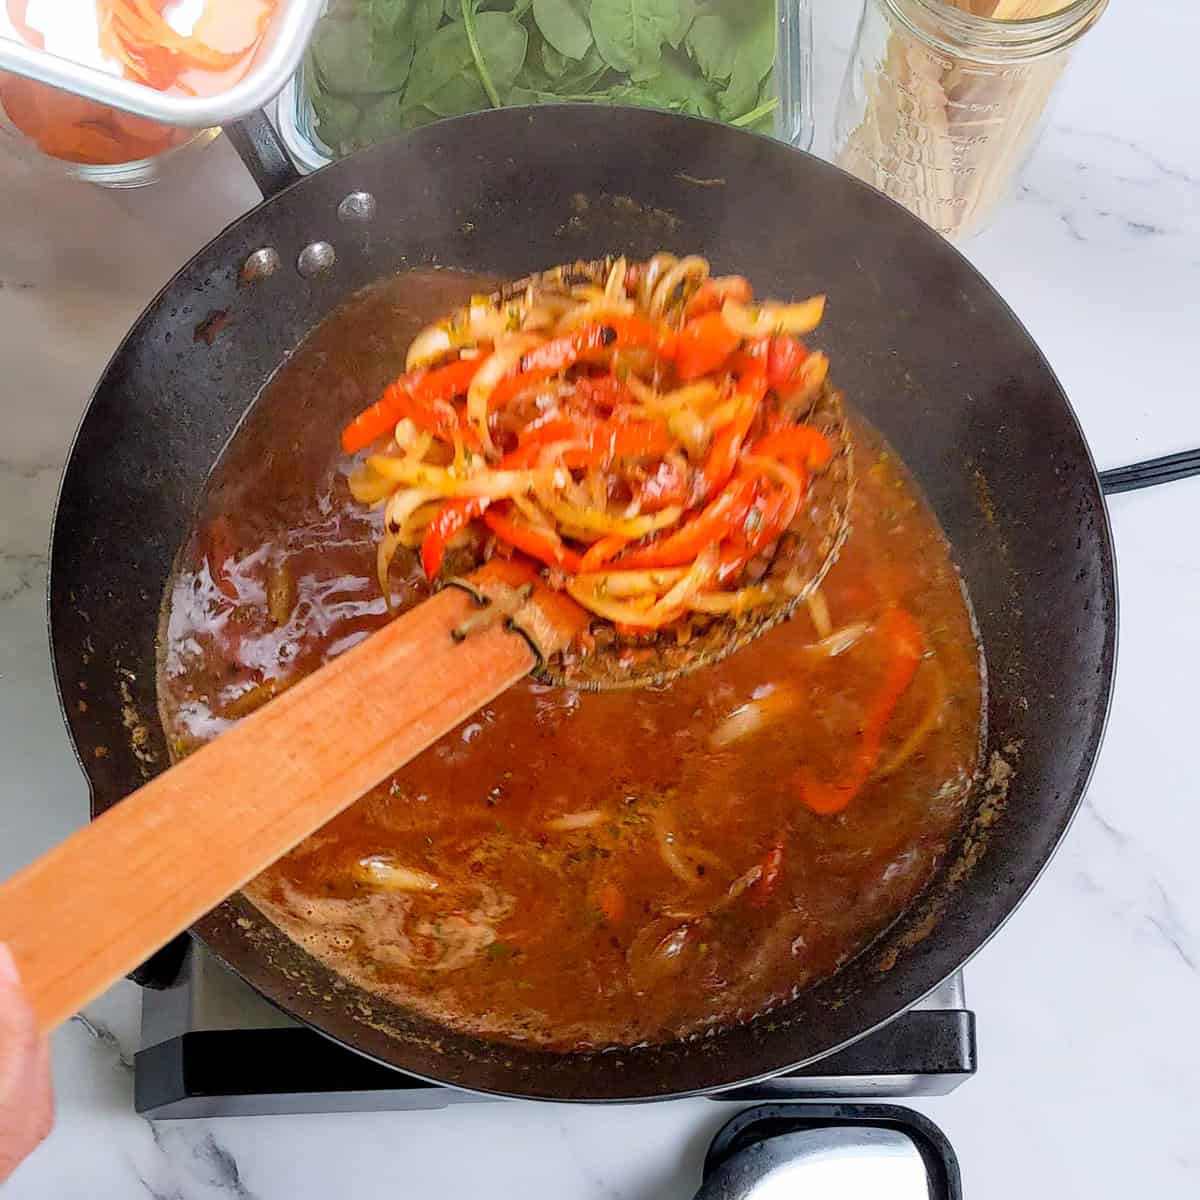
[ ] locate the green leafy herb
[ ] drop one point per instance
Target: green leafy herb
(353, 57)
(379, 67)
(630, 33)
(564, 25)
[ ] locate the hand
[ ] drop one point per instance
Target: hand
(26, 1095)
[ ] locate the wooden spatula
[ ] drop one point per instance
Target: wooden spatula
(109, 896)
(95, 906)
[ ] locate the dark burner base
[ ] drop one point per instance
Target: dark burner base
(214, 1048)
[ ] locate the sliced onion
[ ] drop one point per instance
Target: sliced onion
(443, 482)
(630, 611)
(681, 860)
(382, 871)
(818, 610)
(502, 360)
(633, 583)
(754, 716)
(368, 486)
(652, 273)
(840, 640)
(614, 288)
(660, 951)
(571, 822)
(693, 431)
(745, 880)
(749, 320)
(597, 521)
(593, 311)
(482, 321)
(690, 396)
(733, 603)
(699, 575)
(691, 267)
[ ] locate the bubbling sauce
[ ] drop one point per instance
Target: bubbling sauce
(578, 869)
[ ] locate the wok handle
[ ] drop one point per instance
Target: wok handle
(96, 905)
(262, 151)
(1150, 473)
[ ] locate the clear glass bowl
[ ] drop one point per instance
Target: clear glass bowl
(786, 92)
(138, 173)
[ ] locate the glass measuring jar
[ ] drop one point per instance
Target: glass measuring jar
(941, 108)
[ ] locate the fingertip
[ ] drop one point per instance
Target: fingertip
(8, 967)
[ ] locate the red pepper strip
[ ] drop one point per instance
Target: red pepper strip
(600, 444)
(715, 523)
(785, 357)
(727, 445)
(621, 439)
(667, 486)
(772, 865)
(904, 638)
(414, 396)
(530, 541)
(801, 442)
(598, 553)
(457, 514)
(776, 511)
(712, 293)
(704, 345)
(449, 519)
(554, 357)
(610, 900)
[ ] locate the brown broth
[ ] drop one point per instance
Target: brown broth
(651, 919)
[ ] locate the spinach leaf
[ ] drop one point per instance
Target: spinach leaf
(564, 25)
(445, 80)
(337, 120)
(630, 33)
(425, 18)
(753, 59)
(711, 44)
(386, 15)
(679, 87)
(381, 119)
(687, 14)
(352, 58)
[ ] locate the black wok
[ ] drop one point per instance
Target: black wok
(921, 344)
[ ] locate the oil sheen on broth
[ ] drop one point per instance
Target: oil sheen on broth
(575, 869)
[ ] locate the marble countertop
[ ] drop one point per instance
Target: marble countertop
(1089, 1081)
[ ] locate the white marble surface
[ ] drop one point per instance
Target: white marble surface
(1087, 1000)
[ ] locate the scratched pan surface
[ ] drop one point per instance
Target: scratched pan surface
(921, 345)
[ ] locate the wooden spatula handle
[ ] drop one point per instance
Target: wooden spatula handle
(95, 906)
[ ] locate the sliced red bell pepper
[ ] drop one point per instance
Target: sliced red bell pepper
(610, 900)
(727, 444)
(770, 514)
(599, 443)
(532, 542)
(598, 553)
(714, 524)
(705, 343)
(802, 443)
(906, 643)
(554, 357)
(667, 486)
(712, 293)
(414, 396)
(452, 517)
(785, 357)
